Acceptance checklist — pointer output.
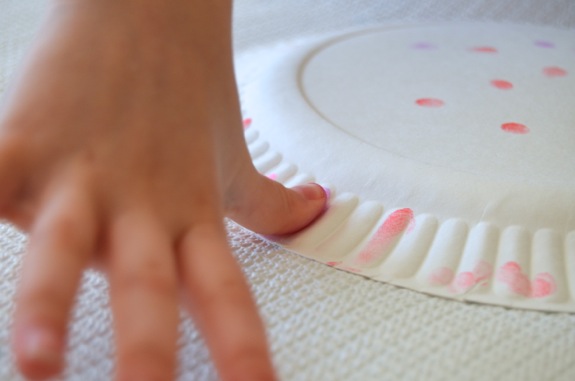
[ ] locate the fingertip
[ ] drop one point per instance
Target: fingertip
(39, 352)
(316, 199)
(313, 192)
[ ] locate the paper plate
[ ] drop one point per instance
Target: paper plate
(449, 150)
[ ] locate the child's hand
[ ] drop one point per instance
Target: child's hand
(121, 144)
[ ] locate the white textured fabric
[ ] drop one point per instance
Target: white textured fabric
(324, 324)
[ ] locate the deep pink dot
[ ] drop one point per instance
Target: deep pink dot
(554, 71)
(430, 102)
(515, 128)
(502, 84)
(484, 49)
(247, 123)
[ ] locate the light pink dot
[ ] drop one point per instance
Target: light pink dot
(512, 275)
(430, 102)
(464, 281)
(247, 123)
(441, 276)
(515, 128)
(502, 84)
(482, 271)
(554, 71)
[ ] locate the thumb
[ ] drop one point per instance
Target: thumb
(267, 207)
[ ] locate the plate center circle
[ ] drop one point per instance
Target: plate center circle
(495, 102)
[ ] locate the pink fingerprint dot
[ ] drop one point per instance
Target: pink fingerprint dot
(272, 176)
(520, 284)
(430, 102)
(393, 226)
(543, 285)
(463, 282)
(397, 222)
(247, 123)
(441, 276)
(554, 71)
(482, 271)
(332, 264)
(515, 128)
(484, 49)
(512, 275)
(508, 271)
(502, 84)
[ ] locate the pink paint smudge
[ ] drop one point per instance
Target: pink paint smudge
(441, 276)
(396, 224)
(465, 281)
(430, 102)
(515, 128)
(482, 271)
(247, 123)
(502, 84)
(554, 71)
(272, 176)
(512, 275)
(543, 285)
(484, 49)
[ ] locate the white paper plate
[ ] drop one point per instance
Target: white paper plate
(449, 149)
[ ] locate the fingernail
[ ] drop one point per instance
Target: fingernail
(41, 345)
(314, 191)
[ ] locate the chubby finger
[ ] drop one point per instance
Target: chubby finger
(61, 244)
(14, 161)
(267, 207)
(222, 306)
(144, 297)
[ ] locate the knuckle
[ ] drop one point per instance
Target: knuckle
(150, 276)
